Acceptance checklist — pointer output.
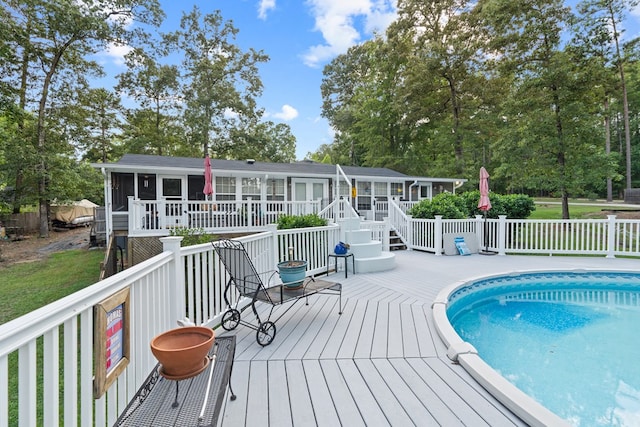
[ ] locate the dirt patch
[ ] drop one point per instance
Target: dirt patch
(30, 248)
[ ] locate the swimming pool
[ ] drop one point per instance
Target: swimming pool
(566, 338)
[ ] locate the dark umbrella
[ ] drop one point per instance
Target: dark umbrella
(208, 187)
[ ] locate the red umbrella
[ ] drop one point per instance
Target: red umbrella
(208, 187)
(484, 204)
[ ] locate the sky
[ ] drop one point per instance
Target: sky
(300, 37)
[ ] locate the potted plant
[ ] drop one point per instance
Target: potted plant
(292, 272)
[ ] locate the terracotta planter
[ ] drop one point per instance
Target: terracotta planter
(292, 273)
(182, 352)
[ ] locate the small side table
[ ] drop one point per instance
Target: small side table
(161, 402)
(346, 259)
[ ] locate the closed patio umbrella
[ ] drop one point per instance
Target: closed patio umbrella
(208, 187)
(484, 204)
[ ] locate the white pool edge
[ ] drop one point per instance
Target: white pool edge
(462, 352)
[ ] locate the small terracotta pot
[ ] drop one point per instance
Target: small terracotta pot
(182, 351)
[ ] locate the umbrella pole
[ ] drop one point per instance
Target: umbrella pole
(486, 250)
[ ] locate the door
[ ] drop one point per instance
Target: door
(305, 190)
(172, 194)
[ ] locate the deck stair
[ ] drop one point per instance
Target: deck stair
(368, 254)
(395, 241)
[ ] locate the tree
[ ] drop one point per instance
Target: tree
(155, 87)
(265, 141)
(603, 18)
(56, 38)
(142, 135)
(94, 122)
(547, 114)
(220, 81)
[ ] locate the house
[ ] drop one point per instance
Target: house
(147, 195)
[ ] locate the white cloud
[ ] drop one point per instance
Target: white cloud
(265, 6)
(287, 113)
(116, 52)
(335, 20)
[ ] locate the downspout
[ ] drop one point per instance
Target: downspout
(107, 203)
(412, 185)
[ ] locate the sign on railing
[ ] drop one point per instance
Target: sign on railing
(111, 340)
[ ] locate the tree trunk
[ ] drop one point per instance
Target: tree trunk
(625, 101)
(607, 145)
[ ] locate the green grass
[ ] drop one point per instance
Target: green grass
(554, 211)
(28, 286)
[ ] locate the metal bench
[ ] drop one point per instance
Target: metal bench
(262, 288)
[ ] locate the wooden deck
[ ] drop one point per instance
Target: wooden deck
(380, 362)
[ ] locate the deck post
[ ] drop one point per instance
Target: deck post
(437, 236)
(172, 244)
(275, 256)
(502, 234)
(611, 236)
(480, 231)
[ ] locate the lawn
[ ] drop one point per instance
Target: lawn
(579, 209)
(29, 286)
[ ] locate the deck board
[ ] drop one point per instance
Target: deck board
(379, 363)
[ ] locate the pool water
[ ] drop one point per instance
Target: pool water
(576, 354)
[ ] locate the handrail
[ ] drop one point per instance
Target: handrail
(189, 282)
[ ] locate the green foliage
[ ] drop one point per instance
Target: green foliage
(465, 205)
(286, 222)
(449, 205)
(192, 236)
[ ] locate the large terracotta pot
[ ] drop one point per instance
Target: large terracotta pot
(182, 351)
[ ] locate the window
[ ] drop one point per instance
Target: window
(364, 195)
(172, 188)
(380, 190)
(397, 189)
(275, 189)
(225, 188)
(251, 188)
(147, 187)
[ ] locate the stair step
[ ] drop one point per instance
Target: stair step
(383, 262)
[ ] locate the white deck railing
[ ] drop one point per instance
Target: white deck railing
(57, 340)
(608, 237)
(46, 356)
(157, 217)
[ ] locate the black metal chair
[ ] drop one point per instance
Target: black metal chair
(262, 287)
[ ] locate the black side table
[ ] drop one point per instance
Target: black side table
(162, 402)
(346, 258)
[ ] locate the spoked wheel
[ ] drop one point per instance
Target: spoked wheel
(266, 333)
(230, 319)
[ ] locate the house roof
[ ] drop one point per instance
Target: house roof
(166, 164)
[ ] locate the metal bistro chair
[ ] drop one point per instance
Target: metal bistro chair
(249, 283)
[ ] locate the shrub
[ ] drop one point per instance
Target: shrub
(191, 236)
(286, 222)
(465, 205)
(448, 205)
